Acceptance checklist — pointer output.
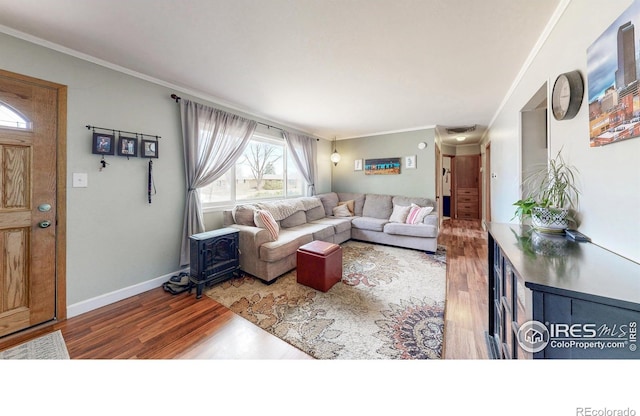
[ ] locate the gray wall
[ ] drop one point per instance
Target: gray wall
(609, 175)
(116, 240)
(410, 182)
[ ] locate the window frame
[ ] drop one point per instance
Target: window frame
(233, 201)
(28, 124)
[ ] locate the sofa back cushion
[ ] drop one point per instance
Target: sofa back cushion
(377, 206)
(293, 220)
(314, 214)
(408, 200)
(358, 201)
(329, 202)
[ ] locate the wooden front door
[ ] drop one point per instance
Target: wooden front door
(32, 127)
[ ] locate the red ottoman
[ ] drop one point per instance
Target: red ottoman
(319, 265)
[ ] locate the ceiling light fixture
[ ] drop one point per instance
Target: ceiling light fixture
(335, 156)
(460, 138)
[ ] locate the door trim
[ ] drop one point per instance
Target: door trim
(61, 201)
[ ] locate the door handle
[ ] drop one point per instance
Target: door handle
(44, 224)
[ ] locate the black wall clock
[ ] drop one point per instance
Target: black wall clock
(566, 97)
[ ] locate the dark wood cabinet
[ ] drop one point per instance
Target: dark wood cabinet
(467, 187)
(551, 297)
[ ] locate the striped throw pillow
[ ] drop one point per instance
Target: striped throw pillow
(264, 219)
(417, 214)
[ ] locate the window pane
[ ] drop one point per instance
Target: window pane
(218, 191)
(260, 171)
(295, 183)
(11, 118)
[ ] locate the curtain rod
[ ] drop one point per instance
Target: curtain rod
(175, 97)
(122, 131)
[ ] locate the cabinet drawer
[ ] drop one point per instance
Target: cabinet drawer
(468, 215)
(467, 206)
(467, 191)
(467, 198)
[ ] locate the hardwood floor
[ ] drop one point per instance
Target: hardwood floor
(157, 325)
(466, 318)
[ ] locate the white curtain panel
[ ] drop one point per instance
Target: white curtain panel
(303, 151)
(213, 142)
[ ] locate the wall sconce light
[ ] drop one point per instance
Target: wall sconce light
(335, 156)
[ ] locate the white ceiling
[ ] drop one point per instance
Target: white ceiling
(332, 68)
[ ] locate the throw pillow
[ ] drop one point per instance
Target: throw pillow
(400, 213)
(341, 211)
(417, 214)
(264, 219)
(350, 205)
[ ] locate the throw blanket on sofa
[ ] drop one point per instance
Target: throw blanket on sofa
(282, 209)
(310, 202)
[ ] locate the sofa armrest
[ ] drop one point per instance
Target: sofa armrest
(251, 238)
(431, 219)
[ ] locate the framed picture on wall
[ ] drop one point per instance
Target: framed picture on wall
(386, 166)
(357, 164)
(103, 144)
(149, 148)
(128, 146)
(410, 162)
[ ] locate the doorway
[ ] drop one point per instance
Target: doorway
(32, 205)
(533, 134)
(445, 179)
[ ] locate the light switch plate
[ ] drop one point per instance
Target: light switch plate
(80, 180)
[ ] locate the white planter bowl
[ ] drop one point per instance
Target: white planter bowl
(550, 220)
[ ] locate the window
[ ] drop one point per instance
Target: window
(264, 171)
(11, 118)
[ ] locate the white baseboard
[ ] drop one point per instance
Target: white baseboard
(118, 295)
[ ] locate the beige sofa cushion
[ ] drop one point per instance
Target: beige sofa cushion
(315, 213)
(329, 202)
(358, 201)
(287, 243)
(339, 225)
(413, 230)
(378, 206)
(297, 218)
(369, 223)
(408, 200)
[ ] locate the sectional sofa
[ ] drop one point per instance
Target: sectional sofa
(269, 250)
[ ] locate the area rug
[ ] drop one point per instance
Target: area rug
(389, 305)
(47, 347)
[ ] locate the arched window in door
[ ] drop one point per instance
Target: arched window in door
(12, 118)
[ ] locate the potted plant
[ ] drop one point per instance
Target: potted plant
(550, 195)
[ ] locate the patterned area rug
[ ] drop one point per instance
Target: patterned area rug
(389, 305)
(47, 347)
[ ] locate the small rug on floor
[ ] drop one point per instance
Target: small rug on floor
(47, 347)
(389, 305)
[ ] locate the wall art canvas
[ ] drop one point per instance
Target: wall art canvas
(386, 166)
(613, 77)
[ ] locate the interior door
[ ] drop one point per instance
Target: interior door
(29, 138)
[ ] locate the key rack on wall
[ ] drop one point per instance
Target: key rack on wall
(128, 143)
